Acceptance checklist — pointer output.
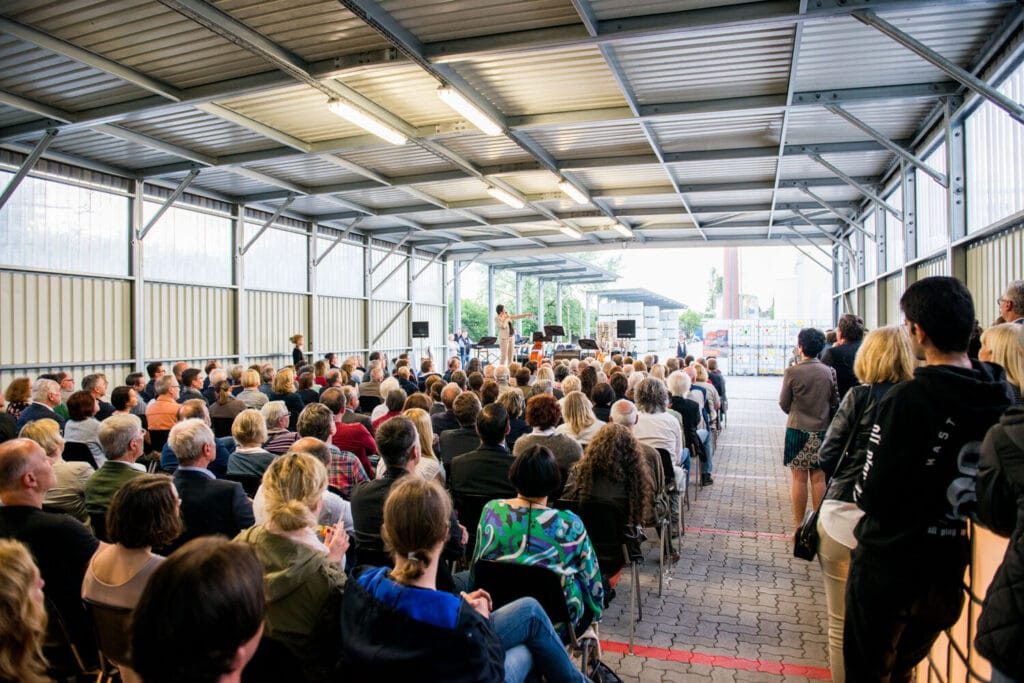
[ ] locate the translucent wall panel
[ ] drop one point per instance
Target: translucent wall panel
(995, 150)
(272, 319)
(428, 286)
(932, 207)
(187, 246)
(56, 226)
(50, 319)
(936, 266)
(396, 336)
(869, 301)
(341, 273)
(277, 260)
(894, 243)
(870, 250)
(991, 264)
(341, 324)
(183, 321)
(438, 340)
(893, 291)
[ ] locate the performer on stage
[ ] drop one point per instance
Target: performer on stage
(507, 333)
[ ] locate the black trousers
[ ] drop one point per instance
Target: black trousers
(896, 606)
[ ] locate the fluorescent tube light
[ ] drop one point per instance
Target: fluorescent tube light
(570, 231)
(473, 114)
(366, 122)
(622, 229)
(507, 198)
(573, 192)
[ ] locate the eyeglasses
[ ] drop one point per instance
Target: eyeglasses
(70, 380)
(1000, 301)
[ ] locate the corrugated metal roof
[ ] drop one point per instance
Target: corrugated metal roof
(718, 131)
(307, 170)
(435, 20)
(109, 150)
(897, 120)
(626, 176)
(739, 170)
(485, 149)
(201, 132)
(397, 160)
(298, 110)
(580, 140)
(615, 9)
(858, 164)
(225, 182)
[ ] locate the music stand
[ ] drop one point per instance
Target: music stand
(551, 331)
(538, 337)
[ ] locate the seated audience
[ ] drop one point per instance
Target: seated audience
(666, 479)
(386, 387)
(96, 384)
(335, 509)
(580, 422)
(123, 439)
(455, 442)
(307, 388)
(514, 404)
(279, 436)
(18, 395)
(351, 436)
(200, 617)
(162, 412)
(191, 385)
(602, 396)
(68, 492)
(251, 395)
(45, 397)
(429, 467)
(127, 400)
(82, 425)
(393, 402)
(654, 426)
(442, 422)
(284, 389)
(208, 505)
(224, 404)
(22, 616)
(542, 414)
(344, 469)
(196, 408)
(303, 571)
(60, 544)
(249, 431)
(484, 471)
(423, 633)
(525, 530)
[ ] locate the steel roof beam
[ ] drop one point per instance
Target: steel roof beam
(178, 191)
(859, 186)
(809, 256)
(26, 166)
(794, 59)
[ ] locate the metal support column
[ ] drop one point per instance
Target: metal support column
(444, 298)
(909, 189)
(138, 283)
(238, 278)
(519, 303)
(956, 153)
(314, 347)
(540, 303)
(456, 295)
(490, 301)
(410, 277)
(558, 303)
(880, 242)
(368, 303)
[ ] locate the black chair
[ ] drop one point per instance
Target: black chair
(113, 635)
(272, 663)
(157, 439)
(222, 426)
(468, 508)
(98, 520)
(671, 486)
(368, 403)
(250, 482)
(66, 659)
(509, 581)
(75, 451)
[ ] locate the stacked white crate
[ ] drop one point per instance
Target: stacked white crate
(669, 322)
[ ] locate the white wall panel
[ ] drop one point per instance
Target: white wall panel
(893, 290)
(273, 318)
(341, 273)
(397, 288)
(427, 288)
(396, 335)
(869, 305)
(894, 241)
(53, 319)
(277, 260)
(438, 340)
(935, 266)
(185, 321)
(991, 264)
(187, 246)
(932, 206)
(341, 324)
(870, 249)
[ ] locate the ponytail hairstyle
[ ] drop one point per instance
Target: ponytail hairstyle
(293, 486)
(223, 392)
(416, 518)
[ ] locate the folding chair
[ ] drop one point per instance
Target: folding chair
(157, 439)
(250, 482)
(222, 426)
(671, 484)
(509, 581)
(65, 659)
(469, 508)
(113, 635)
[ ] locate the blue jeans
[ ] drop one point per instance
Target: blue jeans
(705, 438)
(531, 643)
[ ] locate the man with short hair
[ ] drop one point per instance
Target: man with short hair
(352, 414)
(917, 489)
(267, 374)
(840, 356)
(191, 385)
(96, 384)
(162, 412)
(1011, 303)
(60, 545)
(208, 371)
(45, 397)
(403, 374)
(344, 469)
(442, 422)
(208, 505)
(178, 368)
(484, 472)
(352, 436)
(123, 440)
(455, 442)
(502, 378)
(196, 409)
(369, 389)
(137, 381)
(453, 364)
(155, 370)
(399, 447)
(426, 370)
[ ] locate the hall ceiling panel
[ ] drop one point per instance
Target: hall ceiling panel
(708, 65)
(718, 131)
(631, 202)
(378, 198)
(617, 9)
(405, 90)
(314, 206)
(312, 29)
(298, 110)
(861, 164)
(555, 80)
(110, 150)
(307, 170)
(739, 170)
(896, 120)
(436, 20)
(143, 35)
(533, 182)
(394, 160)
(12, 116)
(459, 190)
(836, 193)
(438, 217)
(485, 150)
(43, 76)
(499, 212)
(843, 53)
(624, 176)
(582, 140)
(199, 131)
(698, 199)
(223, 181)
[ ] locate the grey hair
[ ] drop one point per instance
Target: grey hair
(623, 413)
(274, 411)
(117, 432)
(651, 396)
(187, 439)
(543, 386)
(679, 383)
(42, 388)
(163, 385)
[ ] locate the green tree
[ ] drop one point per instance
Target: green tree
(715, 282)
(690, 321)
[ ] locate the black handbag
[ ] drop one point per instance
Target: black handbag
(805, 540)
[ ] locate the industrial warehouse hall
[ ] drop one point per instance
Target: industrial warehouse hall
(196, 180)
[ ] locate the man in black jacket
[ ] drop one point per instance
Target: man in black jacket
(906, 574)
(455, 442)
(840, 356)
(484, 472)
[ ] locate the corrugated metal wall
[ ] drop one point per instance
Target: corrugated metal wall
(271, 318)
(438, 340)
(936, 266)
(341, 324)
(991, 264)
(396, 335)
(893, 286)
(869, 305)
(186, 321)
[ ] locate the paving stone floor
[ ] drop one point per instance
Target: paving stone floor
(737, 606)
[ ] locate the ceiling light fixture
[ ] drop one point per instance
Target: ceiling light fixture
(572, 232)
(574, 192)
(622, 229)
(366, 122)
(473, 114)
(505, 197)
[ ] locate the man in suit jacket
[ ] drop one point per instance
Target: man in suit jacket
(123, 440)
(484, 472)
(96, 384)
(45, 397)
(208, 505)
(455, 442)
(352, 414)
(442, 422)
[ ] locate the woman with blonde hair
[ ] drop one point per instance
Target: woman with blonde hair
(1004, 345)
(303, 565)
(22, 616)
(68, 494)
(284, 389)
(251, 395)
(249, 431)
(429, 467)
(885, 358)
(298, 358)
(580, 423)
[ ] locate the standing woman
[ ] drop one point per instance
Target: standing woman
(883, 359)
(298, 358)
(506, 333)
(809, 396)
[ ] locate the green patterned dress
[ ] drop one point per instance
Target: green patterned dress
(555, 539)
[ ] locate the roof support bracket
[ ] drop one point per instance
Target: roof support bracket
(178, 191)
(832, 238)
(839, 214)
(430, 262)
(968, 79)
(394, 319)
(860, 187)
(27, 165)
(394, 271)
(397, 245)
(809, 241)
(338, 240)
(270, 221)
(899, 151)
(809, 257)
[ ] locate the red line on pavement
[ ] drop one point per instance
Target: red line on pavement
(721, 661)
(743, 534)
